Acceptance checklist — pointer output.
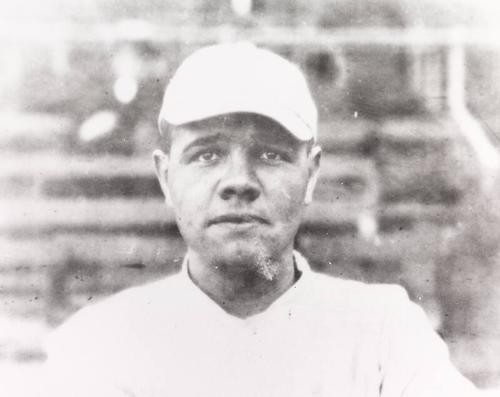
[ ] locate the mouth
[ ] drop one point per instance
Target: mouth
(238, 219)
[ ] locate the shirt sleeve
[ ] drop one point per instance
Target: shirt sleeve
(415, 360)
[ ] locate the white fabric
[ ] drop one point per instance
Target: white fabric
(240, 77)
(323, 337)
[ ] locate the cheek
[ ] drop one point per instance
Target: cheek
(181, 198)
(190, 194)
(289, 197)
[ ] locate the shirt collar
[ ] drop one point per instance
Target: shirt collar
(301, 264)
(284, 301)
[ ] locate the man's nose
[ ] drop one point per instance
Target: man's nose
(239, 181)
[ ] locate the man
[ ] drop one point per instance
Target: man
(246, 316)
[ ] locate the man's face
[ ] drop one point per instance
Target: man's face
(238, 186)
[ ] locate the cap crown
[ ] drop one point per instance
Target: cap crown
(232, 78)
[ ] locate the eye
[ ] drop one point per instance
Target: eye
(269, 155)
(207, 156)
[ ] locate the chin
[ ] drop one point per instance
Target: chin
(242, 253)
(245, 257)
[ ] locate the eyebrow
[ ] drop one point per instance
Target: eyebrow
(203, 141)
(207, 139)
(278, 140)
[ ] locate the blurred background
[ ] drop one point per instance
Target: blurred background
(408, 95)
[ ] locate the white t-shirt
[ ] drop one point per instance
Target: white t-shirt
(323, 337)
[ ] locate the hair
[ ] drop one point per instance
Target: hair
(165, 139)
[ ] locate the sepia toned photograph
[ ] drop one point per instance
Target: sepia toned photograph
(249, 198)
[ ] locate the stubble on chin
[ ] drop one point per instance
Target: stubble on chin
(253, 258)
(266, 267)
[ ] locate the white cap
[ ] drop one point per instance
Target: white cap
(240, 78)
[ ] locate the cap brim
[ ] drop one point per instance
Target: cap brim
(292, 122)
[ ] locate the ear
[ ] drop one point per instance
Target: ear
(161, 169)
(314, 162)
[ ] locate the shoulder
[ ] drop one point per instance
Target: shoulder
(352, 293)
(345, 294)
(103, 341)
(140, 297)
(353, 303)
(118, 313)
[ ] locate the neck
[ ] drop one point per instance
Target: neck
(245, 289)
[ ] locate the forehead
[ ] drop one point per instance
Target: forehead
(244, 127)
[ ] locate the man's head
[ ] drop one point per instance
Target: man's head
(242, 160)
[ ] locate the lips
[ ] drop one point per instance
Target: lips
(237, 219)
